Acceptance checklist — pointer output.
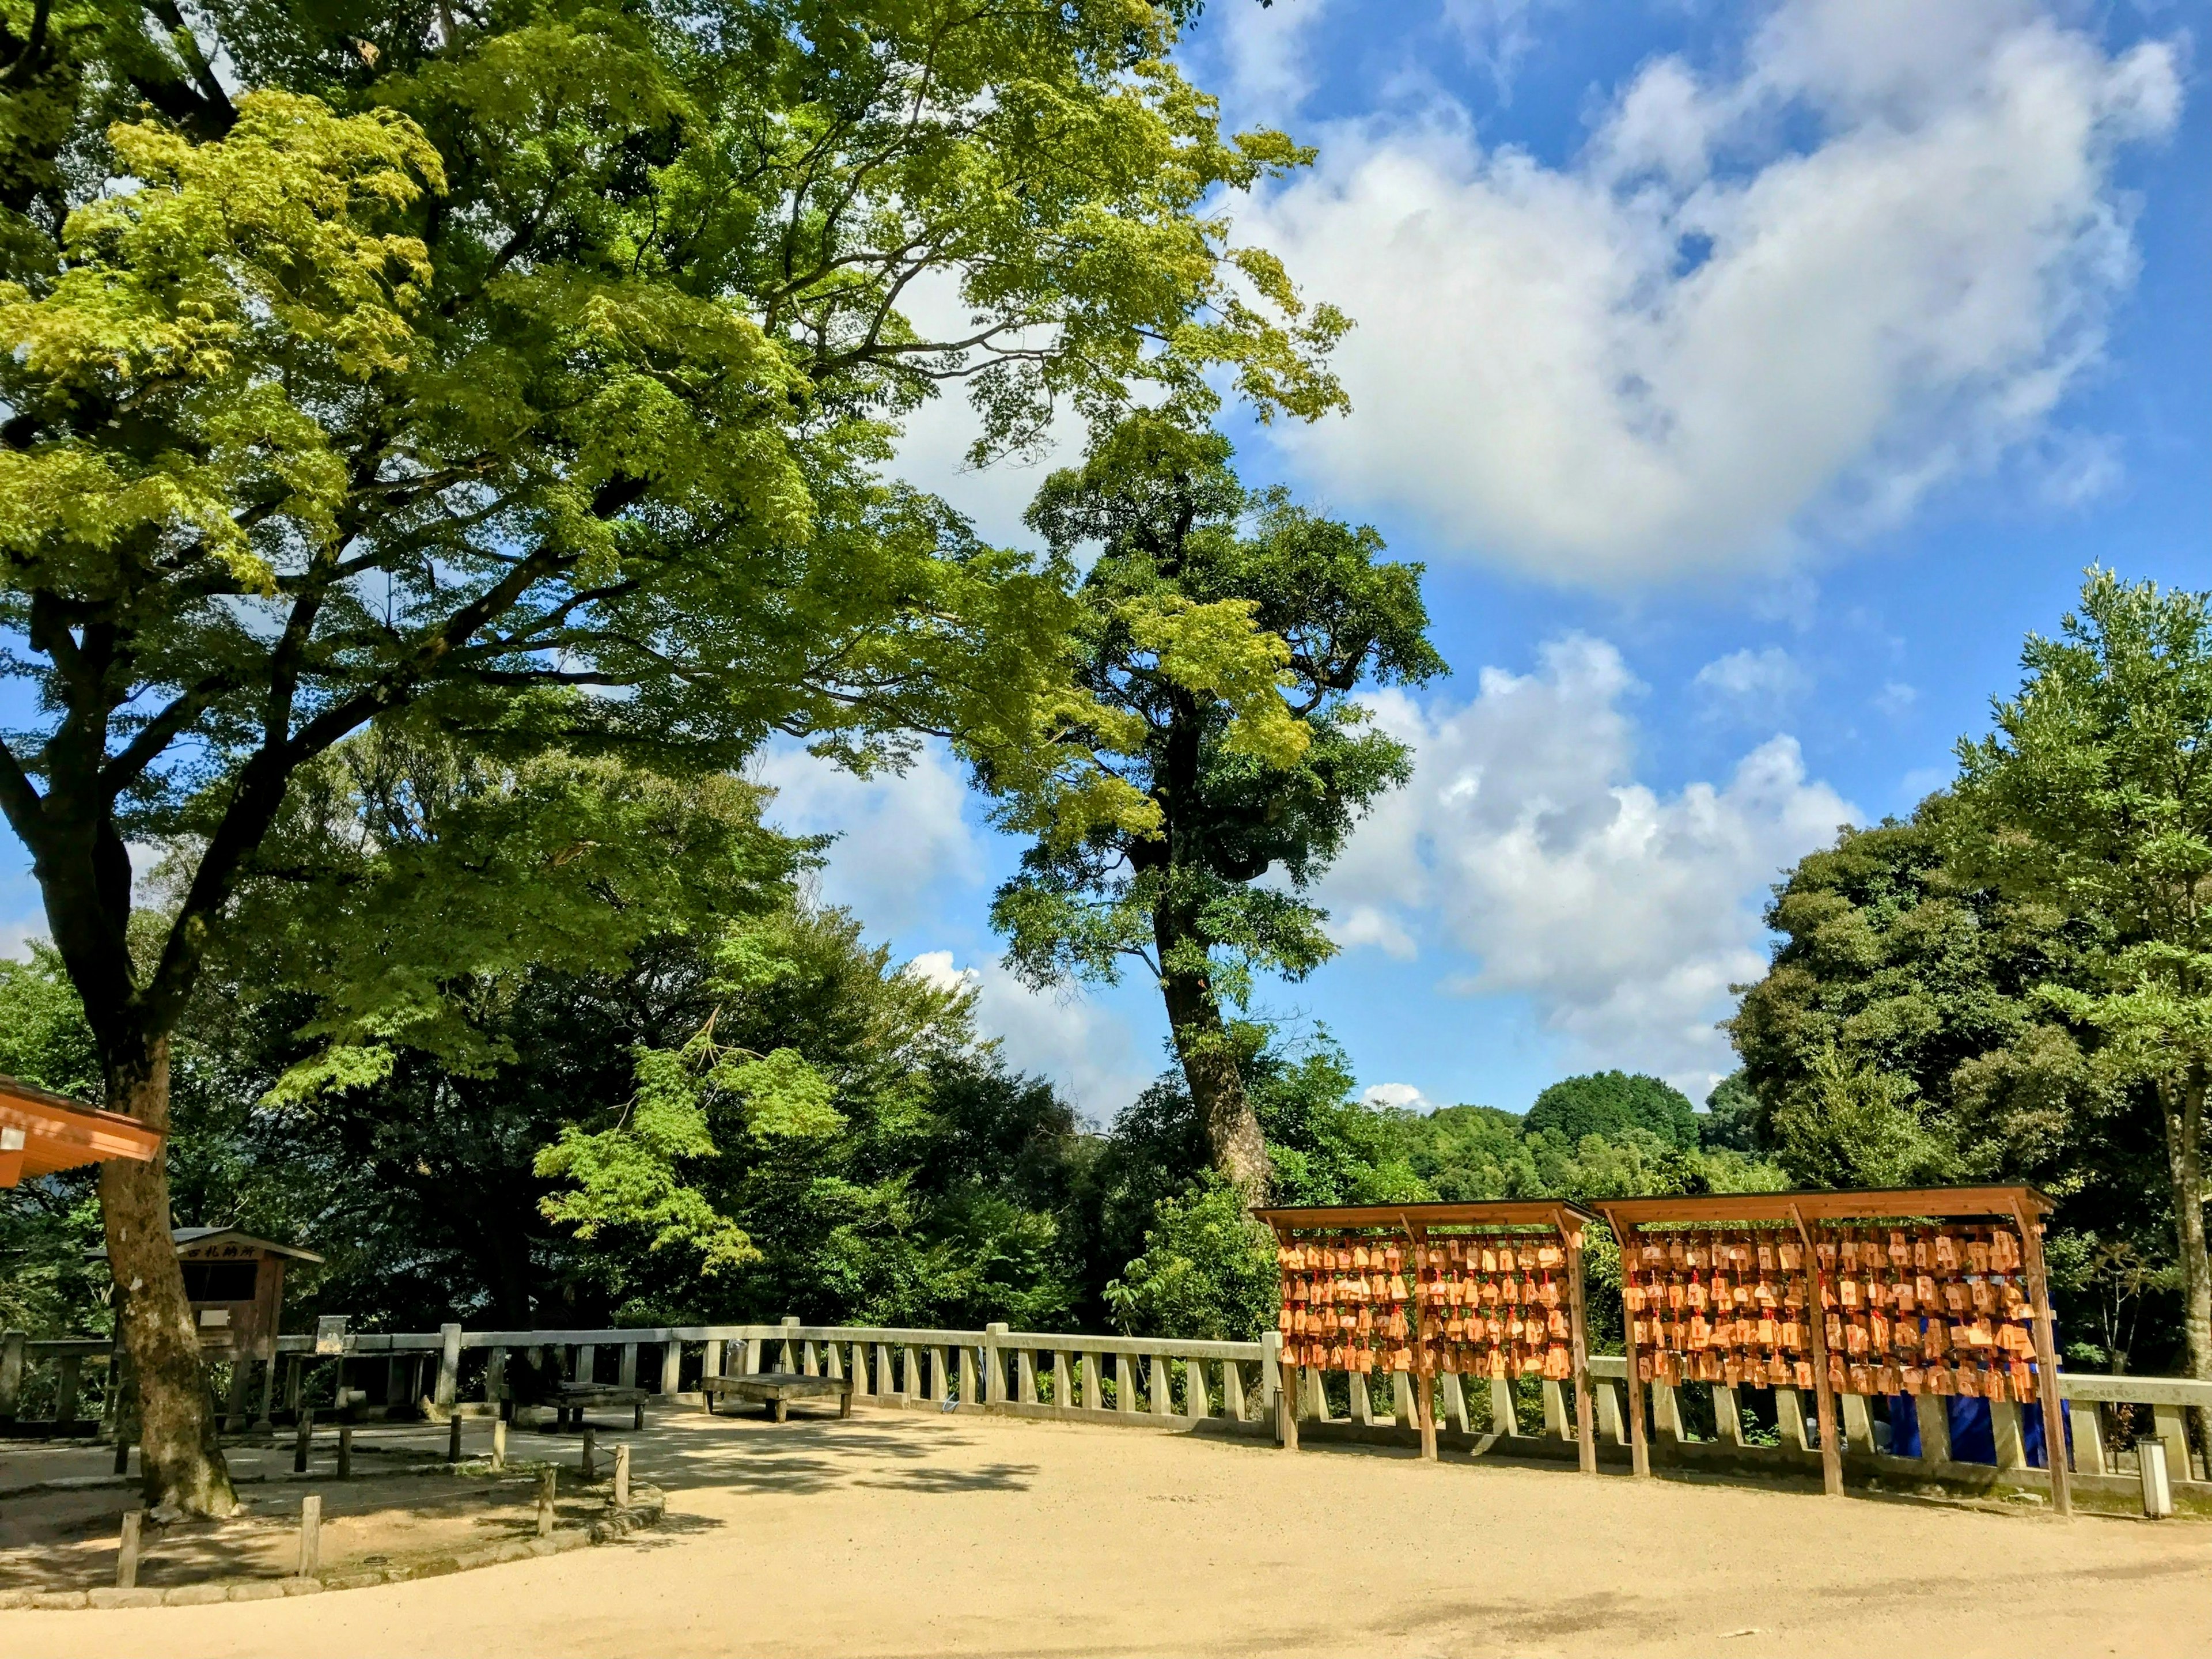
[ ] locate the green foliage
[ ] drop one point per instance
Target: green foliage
(1732, 1116)
(1207, 1271)
(43, 1040)
(47, 1286)
(2094, 796)
(1607, 1102)
(1226, 629)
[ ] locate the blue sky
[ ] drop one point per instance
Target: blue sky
(1751, 378)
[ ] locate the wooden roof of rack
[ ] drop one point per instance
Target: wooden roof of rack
(1505, 1213)
(1865, 1204)
(41, 1132)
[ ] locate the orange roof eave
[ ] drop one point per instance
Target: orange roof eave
(61, 1133)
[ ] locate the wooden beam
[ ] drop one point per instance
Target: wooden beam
(1639, 1441)
(2046, 1362)
(1585, 1408)
(1824, 1396)
(1286, 1397)
(1425, 1412)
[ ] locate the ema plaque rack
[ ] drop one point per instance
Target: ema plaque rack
(1918, 1291)
(1473, 1290)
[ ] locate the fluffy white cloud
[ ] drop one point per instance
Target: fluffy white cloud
(1397, 1094)
(1082, 1049)
(1525, 840)
(1788, 297)
(898, 836)
(1751, 686)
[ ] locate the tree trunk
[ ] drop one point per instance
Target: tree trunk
(2184, 1111)
(181, 1461)
(1217, 1088)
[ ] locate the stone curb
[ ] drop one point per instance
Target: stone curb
(648, 1509)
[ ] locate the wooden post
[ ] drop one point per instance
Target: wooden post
(587, 1466)
(345, 1450)
(11, 1374)
(453, 1438)
(1824, 1397)
(266, 1422)
(126, 1553)
(2048, 1388)
(1639, 1439)
(301, 1436)
(1504, 1415)
(65, 1393)
(499, 1443)
(1424, 1409)
(449, 1367)
(1585, 1407)
(1934, 1411)
(549, 1479)
(1287, 1388)
(311, 1535)
(622, 1476)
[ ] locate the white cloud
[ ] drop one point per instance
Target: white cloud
(898, 836)
(1084, 1049)
(1397, 1094)
(1265, 68)
(16, 934)
(1622, 914)
(1709, 335)
(1895, 698)
(1752, 686)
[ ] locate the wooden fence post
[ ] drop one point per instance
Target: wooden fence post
(127, 1554)
(449, 1367)
(311, 1535)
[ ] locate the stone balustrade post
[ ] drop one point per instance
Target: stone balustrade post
(994, 1364)
(448, 1392)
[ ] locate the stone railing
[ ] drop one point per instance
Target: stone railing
(1214, 1386)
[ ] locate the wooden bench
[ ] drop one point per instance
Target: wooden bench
(570, 1400)
(776, 1390)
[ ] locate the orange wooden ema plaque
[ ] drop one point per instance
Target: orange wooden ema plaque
(41, 1132)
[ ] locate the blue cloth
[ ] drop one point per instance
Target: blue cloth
(1973, 1439)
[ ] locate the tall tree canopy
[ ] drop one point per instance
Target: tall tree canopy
(383, 356)
(1606, 1103)
(1227, 629)
(2093, 796)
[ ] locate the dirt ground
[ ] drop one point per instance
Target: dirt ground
(914, 1533)
(381, 1517)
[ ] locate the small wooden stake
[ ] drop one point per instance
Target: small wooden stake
(126, 1556)
(453, 1438)
(345, 1451)
(311, 1535)
(1425, 1410)
(589, 1468)
(499, 1443)
(548, 1483)
(301, 1437)
(622, 1477)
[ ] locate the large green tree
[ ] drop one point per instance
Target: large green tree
(378, 355)
(1228, 628)
(2093, 796)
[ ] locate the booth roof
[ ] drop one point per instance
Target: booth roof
(57, 1133)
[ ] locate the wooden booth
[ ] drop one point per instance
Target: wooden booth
(1472, 1290)
(42, 1133)
(1921, 1291)
(235, 1283)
